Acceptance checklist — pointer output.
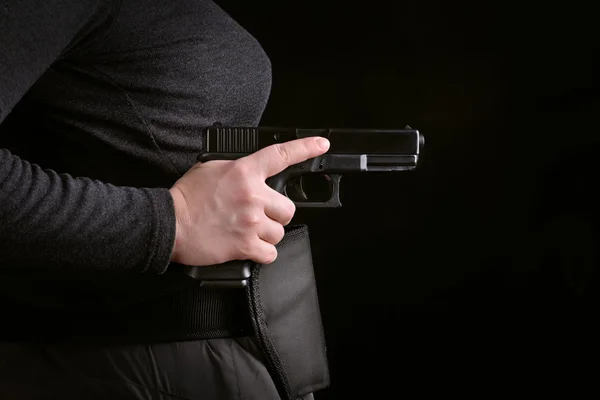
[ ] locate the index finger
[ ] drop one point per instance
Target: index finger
(275, 158)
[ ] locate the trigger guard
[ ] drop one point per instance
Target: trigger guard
(334, 200)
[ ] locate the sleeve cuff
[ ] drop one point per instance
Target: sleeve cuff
(163, 232)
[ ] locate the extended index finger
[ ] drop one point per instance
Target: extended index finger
(275, 158)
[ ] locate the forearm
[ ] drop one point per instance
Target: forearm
(53, 221)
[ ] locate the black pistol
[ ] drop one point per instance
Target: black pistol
(350, 151)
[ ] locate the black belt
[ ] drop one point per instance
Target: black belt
(192, 313)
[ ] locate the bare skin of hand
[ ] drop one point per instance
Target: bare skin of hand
(225, 211)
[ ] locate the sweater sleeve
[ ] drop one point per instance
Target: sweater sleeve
(54, 221)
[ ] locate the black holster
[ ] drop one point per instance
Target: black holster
(283, 311)
(286, 318)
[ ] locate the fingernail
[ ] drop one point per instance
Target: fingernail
(323, 143)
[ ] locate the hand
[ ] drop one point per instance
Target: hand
(225, 211)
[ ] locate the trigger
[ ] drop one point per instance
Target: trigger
(296, 185)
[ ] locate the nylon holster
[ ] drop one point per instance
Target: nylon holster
(286, 317)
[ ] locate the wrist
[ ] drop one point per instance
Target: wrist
(180, 209)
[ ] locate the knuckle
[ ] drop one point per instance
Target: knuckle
(249, 218)
(309, 146)
(283, 152)
(241, 170)
(246, 194)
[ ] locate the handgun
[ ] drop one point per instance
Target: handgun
(350, 151)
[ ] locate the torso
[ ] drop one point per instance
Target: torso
(127, 107)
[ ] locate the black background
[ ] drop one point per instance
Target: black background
(444, 277)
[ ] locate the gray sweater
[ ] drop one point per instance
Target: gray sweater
(101, 106)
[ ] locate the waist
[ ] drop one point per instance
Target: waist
(143, 310)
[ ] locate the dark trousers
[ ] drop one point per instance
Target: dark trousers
(197, 370)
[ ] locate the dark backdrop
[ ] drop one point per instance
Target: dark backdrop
(497, 228)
